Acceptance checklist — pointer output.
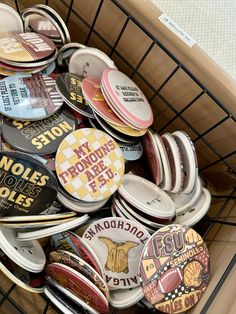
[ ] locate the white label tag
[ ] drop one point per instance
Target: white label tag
(177, 30)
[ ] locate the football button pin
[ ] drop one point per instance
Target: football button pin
(174, 269)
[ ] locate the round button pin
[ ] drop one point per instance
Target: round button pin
(66, 295)
(93, 95)
(89, 165)
(153, 156)
(81, 266)
(40, 24)
(27, 186)
(89, 62)
(29, 97)
(25, 47)
(75, 244)
(28, 255)
(69, 87)
(79, 285)
(189, 160)
(147, 197)
(39, 137)
(46, 232)
(100, 124)
(132, 152)
(118, 244)
(197, 211)
(127, 98)
(175, 161)
(33, 282)
(10, 20)
(174, 269)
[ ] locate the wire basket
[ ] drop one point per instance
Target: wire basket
(178, 98)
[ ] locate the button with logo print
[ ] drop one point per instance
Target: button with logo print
(89, 165)
(118, 244)
(25, 47)
(39, 137)
(174, 269)
(29, 97)
(27, 187)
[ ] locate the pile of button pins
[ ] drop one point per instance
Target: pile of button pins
(70, 121)
(176, 193)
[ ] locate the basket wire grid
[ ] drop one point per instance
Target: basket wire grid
(133, 72)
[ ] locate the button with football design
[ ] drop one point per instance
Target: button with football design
(72, 280)
(29, 97)
(69, 87)
(81, 266)
(25, 47)
(27, 187)
(39, 137)
(127, 98)
(118, 244)
(174, 269)
(89, 165)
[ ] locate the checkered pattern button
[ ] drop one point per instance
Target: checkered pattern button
(89, 165)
